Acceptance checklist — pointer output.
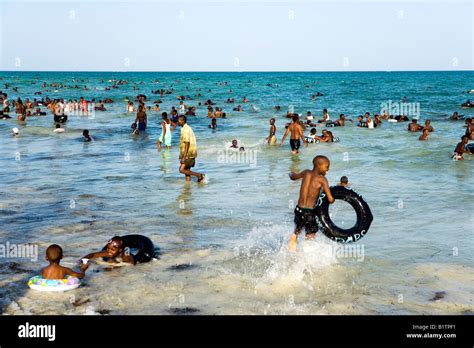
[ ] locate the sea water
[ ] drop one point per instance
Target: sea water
(222, 245)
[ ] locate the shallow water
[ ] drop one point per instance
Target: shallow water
(223, 244)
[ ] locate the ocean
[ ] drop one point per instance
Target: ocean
(222, 245)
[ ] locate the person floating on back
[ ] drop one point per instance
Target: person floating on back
(313, 182)
(54, 254)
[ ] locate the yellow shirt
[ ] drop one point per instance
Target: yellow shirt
(187, 135)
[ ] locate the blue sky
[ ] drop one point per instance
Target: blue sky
(160, 35)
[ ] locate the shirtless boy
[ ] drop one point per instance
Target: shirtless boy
(54, 254)
(460, 149)
(313, 182)
(271, 139)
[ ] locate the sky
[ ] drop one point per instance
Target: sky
(231, 35)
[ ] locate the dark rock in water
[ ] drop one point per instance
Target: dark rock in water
(13, 267)
(78, 303)
(103, 311)
(183, 311)
(90, 222)
(182, 267)
(438, 295)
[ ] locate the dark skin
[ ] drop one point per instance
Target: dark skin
(425, 134)
(341, 121)
(141, 116)
(325, 138)
(272, 130)
(55, 271)
(428, 126)
(414, 127)
(470, 130)
(296, 133)
(182, 167)
(113, 253)
(461, 147)
(313, 182)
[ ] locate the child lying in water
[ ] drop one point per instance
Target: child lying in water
(115, 252)
(54, 254)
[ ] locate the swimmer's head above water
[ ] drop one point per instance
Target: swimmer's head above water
(114, 246)
(321, 164)
(54, 253)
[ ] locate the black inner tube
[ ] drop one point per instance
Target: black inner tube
(362, 210)
(145, 247)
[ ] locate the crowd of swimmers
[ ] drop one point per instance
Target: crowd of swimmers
(295, 130)
(313, 180)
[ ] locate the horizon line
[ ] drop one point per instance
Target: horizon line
(226, 71)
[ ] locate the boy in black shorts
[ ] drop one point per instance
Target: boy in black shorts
(313, 182)
(296, 134)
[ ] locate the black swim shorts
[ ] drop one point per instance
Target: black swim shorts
(306, 218)
(189, 163)
(295, 144)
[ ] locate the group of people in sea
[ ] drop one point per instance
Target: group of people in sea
(313, 181)
(169, 121)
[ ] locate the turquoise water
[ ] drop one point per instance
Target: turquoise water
(232, 232)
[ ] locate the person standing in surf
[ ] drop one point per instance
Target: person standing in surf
(313, 182)
(296, 134)
(470, 128)
(166, 127)
(460, 149)
(187, 150)
(141, 119)
(271, 139)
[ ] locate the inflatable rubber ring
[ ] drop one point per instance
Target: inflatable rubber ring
(470, 148)
(337, 234)
(145, 250)
(52, 285)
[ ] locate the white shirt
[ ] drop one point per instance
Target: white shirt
(59, 130)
